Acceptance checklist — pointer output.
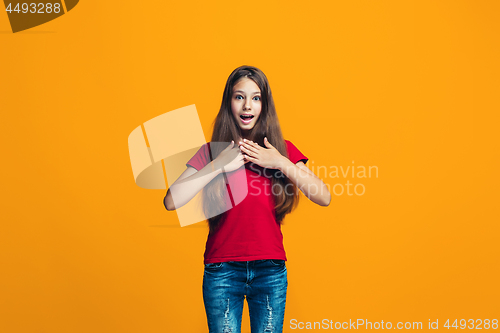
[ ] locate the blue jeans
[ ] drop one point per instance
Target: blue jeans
(263, 282)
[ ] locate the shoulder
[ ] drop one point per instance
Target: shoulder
(201, 157)
(290, 145)
(294, 154)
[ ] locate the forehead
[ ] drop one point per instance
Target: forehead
(246, 84)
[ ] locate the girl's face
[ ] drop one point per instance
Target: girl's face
(246, 104)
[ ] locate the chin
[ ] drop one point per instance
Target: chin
(246, 129)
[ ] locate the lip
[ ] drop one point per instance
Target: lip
(248, 121)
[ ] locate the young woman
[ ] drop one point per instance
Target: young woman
(248, 188)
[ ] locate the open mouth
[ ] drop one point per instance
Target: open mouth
(246, 118)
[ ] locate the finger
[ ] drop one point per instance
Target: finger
(230, 146)
(248, 147)
(250, 158)
(249, 151)
(244, 142)
(244, 159)
(251, 145)
(266, 142)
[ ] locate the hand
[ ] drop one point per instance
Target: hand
(268, 157)
(230, 159)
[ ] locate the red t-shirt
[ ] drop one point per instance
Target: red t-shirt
(250, 230)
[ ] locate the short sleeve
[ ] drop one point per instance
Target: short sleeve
(294, 154)
(201, 158)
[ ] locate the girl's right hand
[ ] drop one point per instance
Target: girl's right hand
(230, 158)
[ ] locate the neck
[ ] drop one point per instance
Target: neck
(244, 135)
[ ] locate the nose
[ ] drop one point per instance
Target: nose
(246, 106)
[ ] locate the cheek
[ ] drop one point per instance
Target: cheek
(236, 105)
(258, 110)
(234, 108)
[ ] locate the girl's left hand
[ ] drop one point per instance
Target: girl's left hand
(269, 158)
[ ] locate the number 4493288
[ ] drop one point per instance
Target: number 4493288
(473, 324)
(40, 8)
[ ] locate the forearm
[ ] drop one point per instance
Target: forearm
(180, 193)
(312, 187)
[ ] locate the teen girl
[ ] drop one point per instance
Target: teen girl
(244, 254)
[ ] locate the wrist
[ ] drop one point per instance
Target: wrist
(284, 164)
(213, 167)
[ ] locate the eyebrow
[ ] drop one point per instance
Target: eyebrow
(241, 91)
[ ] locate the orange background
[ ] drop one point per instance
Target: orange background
(411, 87)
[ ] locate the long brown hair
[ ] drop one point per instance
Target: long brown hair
(226, 129)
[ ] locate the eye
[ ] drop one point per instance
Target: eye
(238, 97)
(257, 98)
